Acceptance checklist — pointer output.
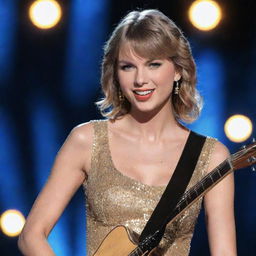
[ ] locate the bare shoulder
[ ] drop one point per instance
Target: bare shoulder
(79, 143)
(219, 154)
(82, 134)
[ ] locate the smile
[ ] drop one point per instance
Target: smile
(142, 93)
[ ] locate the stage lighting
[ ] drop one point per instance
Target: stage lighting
(45, 14)
(238, 128)
(205, 14)
(12, 222)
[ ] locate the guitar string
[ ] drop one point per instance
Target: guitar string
(202, 183)
(204, 180)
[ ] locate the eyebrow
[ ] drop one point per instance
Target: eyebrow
(124, 61)
(129, 62)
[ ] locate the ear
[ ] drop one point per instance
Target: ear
(177, 76)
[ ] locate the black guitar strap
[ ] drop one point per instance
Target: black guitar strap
(174, 190)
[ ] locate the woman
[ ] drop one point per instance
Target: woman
(125, 161)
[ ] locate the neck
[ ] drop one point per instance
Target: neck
(153, 125)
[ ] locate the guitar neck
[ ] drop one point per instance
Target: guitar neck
(200, 189)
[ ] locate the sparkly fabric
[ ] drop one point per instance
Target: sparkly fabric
(114, 199)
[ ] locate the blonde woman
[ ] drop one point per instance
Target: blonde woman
(125, 161)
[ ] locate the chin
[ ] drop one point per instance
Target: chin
(151, 108)
(146, 110)
(143, 107)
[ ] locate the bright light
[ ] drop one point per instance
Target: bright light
(204, 14)
(45, 14)
(12, 222)
(238, 128)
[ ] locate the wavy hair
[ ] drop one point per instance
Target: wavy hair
(151, 35)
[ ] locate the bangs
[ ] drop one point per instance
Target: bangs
(147, 44)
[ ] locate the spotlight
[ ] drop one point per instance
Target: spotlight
(205, 14)
(238, 128)
(12, 222)
(45, 14)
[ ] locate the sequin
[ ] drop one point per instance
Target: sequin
(114, 199)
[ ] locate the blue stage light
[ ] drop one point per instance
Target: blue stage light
(87, 29)
(12, 189)
(8, 17)
(212, 87)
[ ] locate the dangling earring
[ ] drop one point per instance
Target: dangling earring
(176, 87)
(120, 96)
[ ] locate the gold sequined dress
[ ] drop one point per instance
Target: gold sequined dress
(114, 199)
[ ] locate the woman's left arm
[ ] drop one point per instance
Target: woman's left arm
(219, 209)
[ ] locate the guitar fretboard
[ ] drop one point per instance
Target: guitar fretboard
(203, 186)
(136, 252)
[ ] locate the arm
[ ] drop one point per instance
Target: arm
(67, 174)
(219, 210)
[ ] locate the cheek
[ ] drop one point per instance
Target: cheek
(165, 78)
(124, 79)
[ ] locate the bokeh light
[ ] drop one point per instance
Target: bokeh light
(205, 14)
(238, 128)
(45, 14)
(12, 222)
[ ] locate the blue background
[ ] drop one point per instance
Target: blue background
(49, 81)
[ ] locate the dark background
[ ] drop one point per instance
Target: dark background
(49, 81)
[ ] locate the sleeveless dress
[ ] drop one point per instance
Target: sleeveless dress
(114, 199)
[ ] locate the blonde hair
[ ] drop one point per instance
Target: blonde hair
(151, 35)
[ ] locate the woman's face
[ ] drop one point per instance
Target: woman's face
(147, 84)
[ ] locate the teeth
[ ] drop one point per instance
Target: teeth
(143, 92)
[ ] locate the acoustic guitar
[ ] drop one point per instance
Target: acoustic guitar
(121, 242)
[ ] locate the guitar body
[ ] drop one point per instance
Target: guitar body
(117, 243)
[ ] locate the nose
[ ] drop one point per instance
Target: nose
(141, 77)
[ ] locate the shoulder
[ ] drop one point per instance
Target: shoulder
(82, 133)
(219, 153)
(80, 141)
